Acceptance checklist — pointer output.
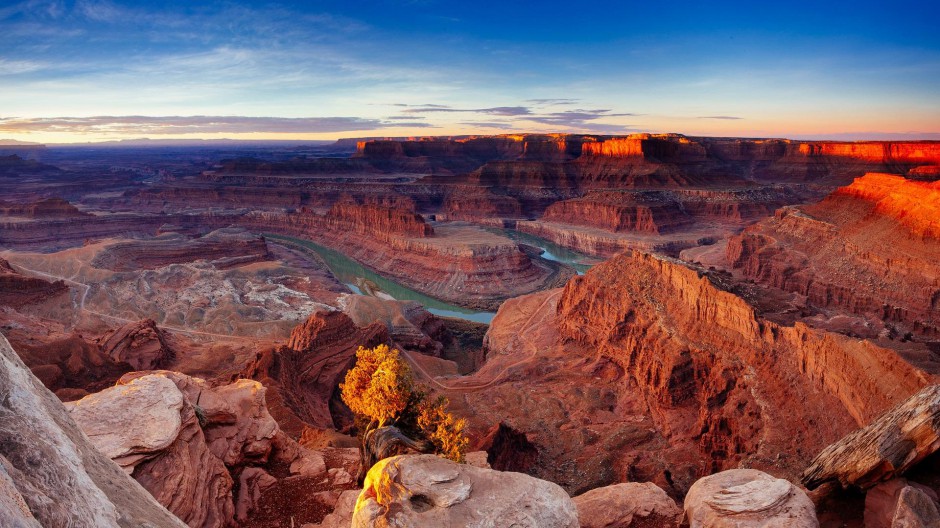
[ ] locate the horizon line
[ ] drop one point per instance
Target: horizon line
(842, 137)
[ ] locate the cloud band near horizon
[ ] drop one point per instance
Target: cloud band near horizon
(175, 125)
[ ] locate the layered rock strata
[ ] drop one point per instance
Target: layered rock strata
(870, 249)
(47, 208)
(664, 370)
(303, 376)
(223, 248)
(50, 473)
(464, 265)
(18, 290)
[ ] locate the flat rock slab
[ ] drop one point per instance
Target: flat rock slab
(747, 498)
(152, 403)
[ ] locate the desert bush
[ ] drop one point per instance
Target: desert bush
(381, 391)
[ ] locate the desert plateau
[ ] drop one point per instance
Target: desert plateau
(408, 264)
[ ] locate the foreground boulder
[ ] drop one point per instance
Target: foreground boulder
(212, 453)
(426, 490)
(50, 473)
(899, 503)
(152, 431)
(746, 498)
(626, 505)
(886, 448)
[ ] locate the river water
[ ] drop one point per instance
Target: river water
(550, 250)
(350, 273)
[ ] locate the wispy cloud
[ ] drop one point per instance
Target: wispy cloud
(553, 102)
(577, 118)
(173, 125)
(102, 11)
(14, 67)
(426, 105)
(497, 110)
(499, 125)
(732, 118)
(522, 117)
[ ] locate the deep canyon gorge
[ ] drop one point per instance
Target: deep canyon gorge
(677, 320)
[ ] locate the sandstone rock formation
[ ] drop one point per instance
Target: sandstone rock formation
(302, 377)
(460, 264)
(670, 378)
(18, 290)
(897, 503)
(869, 249)
(426, 490)
(606, 222)
(886, 448)
(141, 345)
(150, 429)
(376, 219)
(645, 370)
(665, 211)
(46, 208)
(743, 498)
(153, 403)
(223, 248)
(212, 454)
(70, 365)
(58, 233)
(474, 203)
(50, 473)
(626, 505)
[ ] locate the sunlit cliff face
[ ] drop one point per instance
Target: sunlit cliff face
(915, 205)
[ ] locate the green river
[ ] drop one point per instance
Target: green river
(350, 273)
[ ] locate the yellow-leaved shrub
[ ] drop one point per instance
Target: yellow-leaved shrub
(380, 389)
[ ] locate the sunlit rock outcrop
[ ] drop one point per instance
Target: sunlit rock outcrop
(426, 490)
(51, 474)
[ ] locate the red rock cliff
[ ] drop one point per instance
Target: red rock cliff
(302, 376)
(877, 151)
(692, 348)
(48, 208)
(870, 249)
(913, 204)
(376, 219)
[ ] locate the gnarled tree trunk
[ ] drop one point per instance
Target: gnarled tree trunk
(385, 442)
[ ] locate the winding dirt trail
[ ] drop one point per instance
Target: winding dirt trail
(81, 306)
(462, 385)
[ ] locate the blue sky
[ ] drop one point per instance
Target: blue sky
(90, 70)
